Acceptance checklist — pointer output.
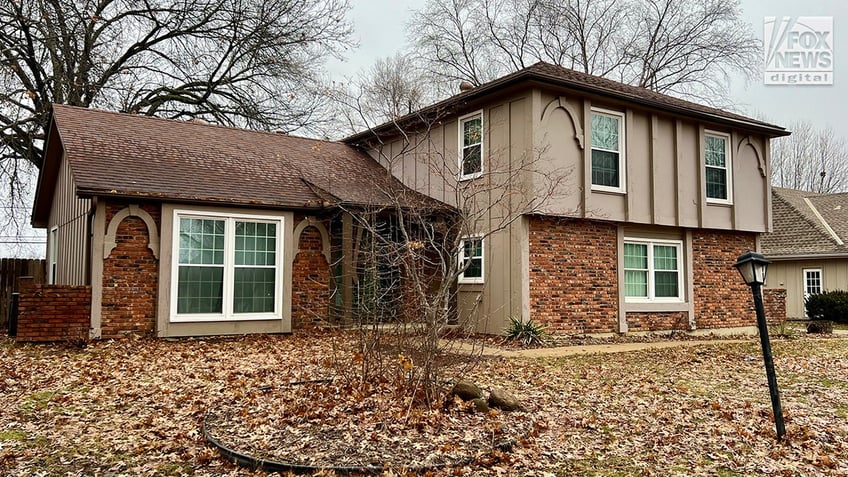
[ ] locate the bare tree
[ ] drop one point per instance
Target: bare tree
(411, 249)
(682, 47)
(811, 159)
(251, 63)
(392, 87)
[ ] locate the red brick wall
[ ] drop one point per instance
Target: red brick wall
(310, 281)
(573, 277)
(722, 300)
(774, 301)
(130, 277)
(53, 312)
(658, 321)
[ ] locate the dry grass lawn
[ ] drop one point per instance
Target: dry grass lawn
(134, 407)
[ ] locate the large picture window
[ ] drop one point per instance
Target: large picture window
(607, 150)
(718, 171)
(471, 146)
(471, 252)
(653, 271)
(226, 267)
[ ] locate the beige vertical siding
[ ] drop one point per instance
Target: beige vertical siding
(790, 276)
(664, 175)
(687, 150)
(541, 139)
(70, 215)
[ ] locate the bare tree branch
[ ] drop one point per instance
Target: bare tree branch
(811, 159)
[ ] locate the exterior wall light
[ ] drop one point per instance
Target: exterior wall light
(753, 267)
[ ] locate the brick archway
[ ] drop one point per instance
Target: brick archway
(310, 279)
(130, 272)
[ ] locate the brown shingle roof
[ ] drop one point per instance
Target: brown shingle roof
(807, 224)
(563, 77)
(116, 154)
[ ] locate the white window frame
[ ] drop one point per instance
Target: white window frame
(473, 280)
(461, 146)
(681, 270)
(806, 272)
(622, 162)
(728, 167)
(52, 255)
(227, 313)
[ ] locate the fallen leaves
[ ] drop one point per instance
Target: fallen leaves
(134, 407)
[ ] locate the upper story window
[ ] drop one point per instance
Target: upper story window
(653, 270)
(471, 252)
(718, 167)
(226, 267)
(471, 146)
(607, 150)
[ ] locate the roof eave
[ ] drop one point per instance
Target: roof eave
(83, 192)
(806, 256)
(47, 175)
(529, 75)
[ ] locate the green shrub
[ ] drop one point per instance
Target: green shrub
(830, 305)
(823, 327)
(527, 332)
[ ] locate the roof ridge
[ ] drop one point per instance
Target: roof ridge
(789, 221)
(193, 122)
(827, 227)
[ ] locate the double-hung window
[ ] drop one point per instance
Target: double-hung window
(718, 167)
(653, 270)
(607, 150)
(471, 146)
(471, 253)
(226, 267)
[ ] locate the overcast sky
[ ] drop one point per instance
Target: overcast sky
(381, 31)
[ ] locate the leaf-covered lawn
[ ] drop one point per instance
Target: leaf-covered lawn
(134, 407)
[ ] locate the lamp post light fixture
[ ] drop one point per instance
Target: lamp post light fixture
(753, 267)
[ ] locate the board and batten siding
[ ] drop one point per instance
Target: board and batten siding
(69, 216)
(789, 275)
(539, 141)
(664, 168)
(428, 162)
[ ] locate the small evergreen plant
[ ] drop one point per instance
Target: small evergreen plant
(528, 332)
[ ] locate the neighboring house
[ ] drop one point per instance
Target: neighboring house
(625, 210)
(807, 245)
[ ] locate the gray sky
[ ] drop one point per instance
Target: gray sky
(381, 31)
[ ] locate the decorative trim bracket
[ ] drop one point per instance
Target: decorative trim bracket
(109, 242)
(746, 141)
(561, 103)
(325, 237)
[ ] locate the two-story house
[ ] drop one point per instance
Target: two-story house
(597, 206)
(631, 206)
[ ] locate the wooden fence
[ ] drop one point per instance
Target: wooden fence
(10, 270)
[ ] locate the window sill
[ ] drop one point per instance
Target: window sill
(609, 190)
(471, 283)
(470, 177)
(655, 306)
(720, 203)
(222, 318)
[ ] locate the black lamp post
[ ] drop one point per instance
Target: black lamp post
(753, 266)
